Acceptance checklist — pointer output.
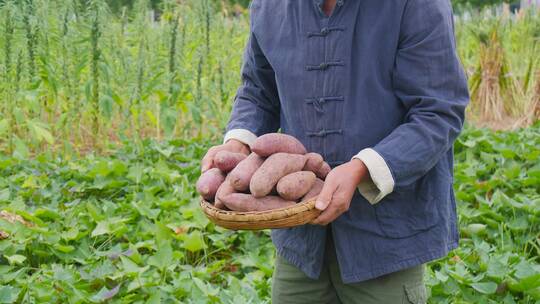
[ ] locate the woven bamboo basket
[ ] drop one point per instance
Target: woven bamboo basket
(296, 215)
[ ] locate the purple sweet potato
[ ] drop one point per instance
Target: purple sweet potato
(323, 171)
(272, 170)
(273, 143)
(314, 162)
(247, 202)
(295, 185)
(241, 175)
(226, 160)
(209, 182)
(315, 190)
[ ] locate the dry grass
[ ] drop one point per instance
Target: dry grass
(489, 85)
(13, 218)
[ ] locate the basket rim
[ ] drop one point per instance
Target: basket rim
(254, 216)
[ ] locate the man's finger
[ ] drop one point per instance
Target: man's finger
(327, 216)
(208, 160)
(325, 197)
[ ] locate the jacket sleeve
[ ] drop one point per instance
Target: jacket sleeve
(256, 109)
(429, 81)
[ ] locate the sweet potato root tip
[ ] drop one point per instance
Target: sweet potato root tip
(314, 162)
(323, 170)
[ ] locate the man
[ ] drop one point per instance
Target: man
(375, 87)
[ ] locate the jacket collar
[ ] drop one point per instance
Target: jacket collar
(320, 2)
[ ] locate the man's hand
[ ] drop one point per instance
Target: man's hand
(232, 145)
(338, 190)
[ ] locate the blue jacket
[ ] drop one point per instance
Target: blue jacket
(375, 74)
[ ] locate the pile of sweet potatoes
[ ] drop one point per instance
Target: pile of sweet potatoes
(278, 173)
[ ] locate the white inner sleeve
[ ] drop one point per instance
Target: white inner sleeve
(242, 135)
(382, 182)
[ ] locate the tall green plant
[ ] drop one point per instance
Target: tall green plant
(31, 36)
(8, 121)
(95, 34)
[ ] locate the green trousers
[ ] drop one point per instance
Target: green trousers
(290, 285)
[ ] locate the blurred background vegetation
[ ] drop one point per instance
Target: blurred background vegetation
(117, 5)
(83, 75)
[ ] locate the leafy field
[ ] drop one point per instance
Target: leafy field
(127, 227)
(497, 183)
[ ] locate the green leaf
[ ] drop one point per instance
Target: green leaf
(194, 241)
(15, 259)
(131, 267)
(70, 234)
(4, 195)
(18, 113)
(473, 229)
(46, 213)
(152, 117)
(40, 131)
(518, 224)
(101, 228)
(30, 182)
(105, 294)
(496, 269)
(9, 294)
(441, 276)
(106, 106)
(163, 257)
(136, 173)
(109, 226)
(535, 293)
(163, 234)
(526, 269)
(155, 298)
(485, 287)
(527, 283)
(207, 290)
(6, 277)
(21, 149)
(167, 152)
(144, 210)
(4, 126)
(64, 248)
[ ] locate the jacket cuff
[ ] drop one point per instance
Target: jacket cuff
(381, 183)
(242, 135)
